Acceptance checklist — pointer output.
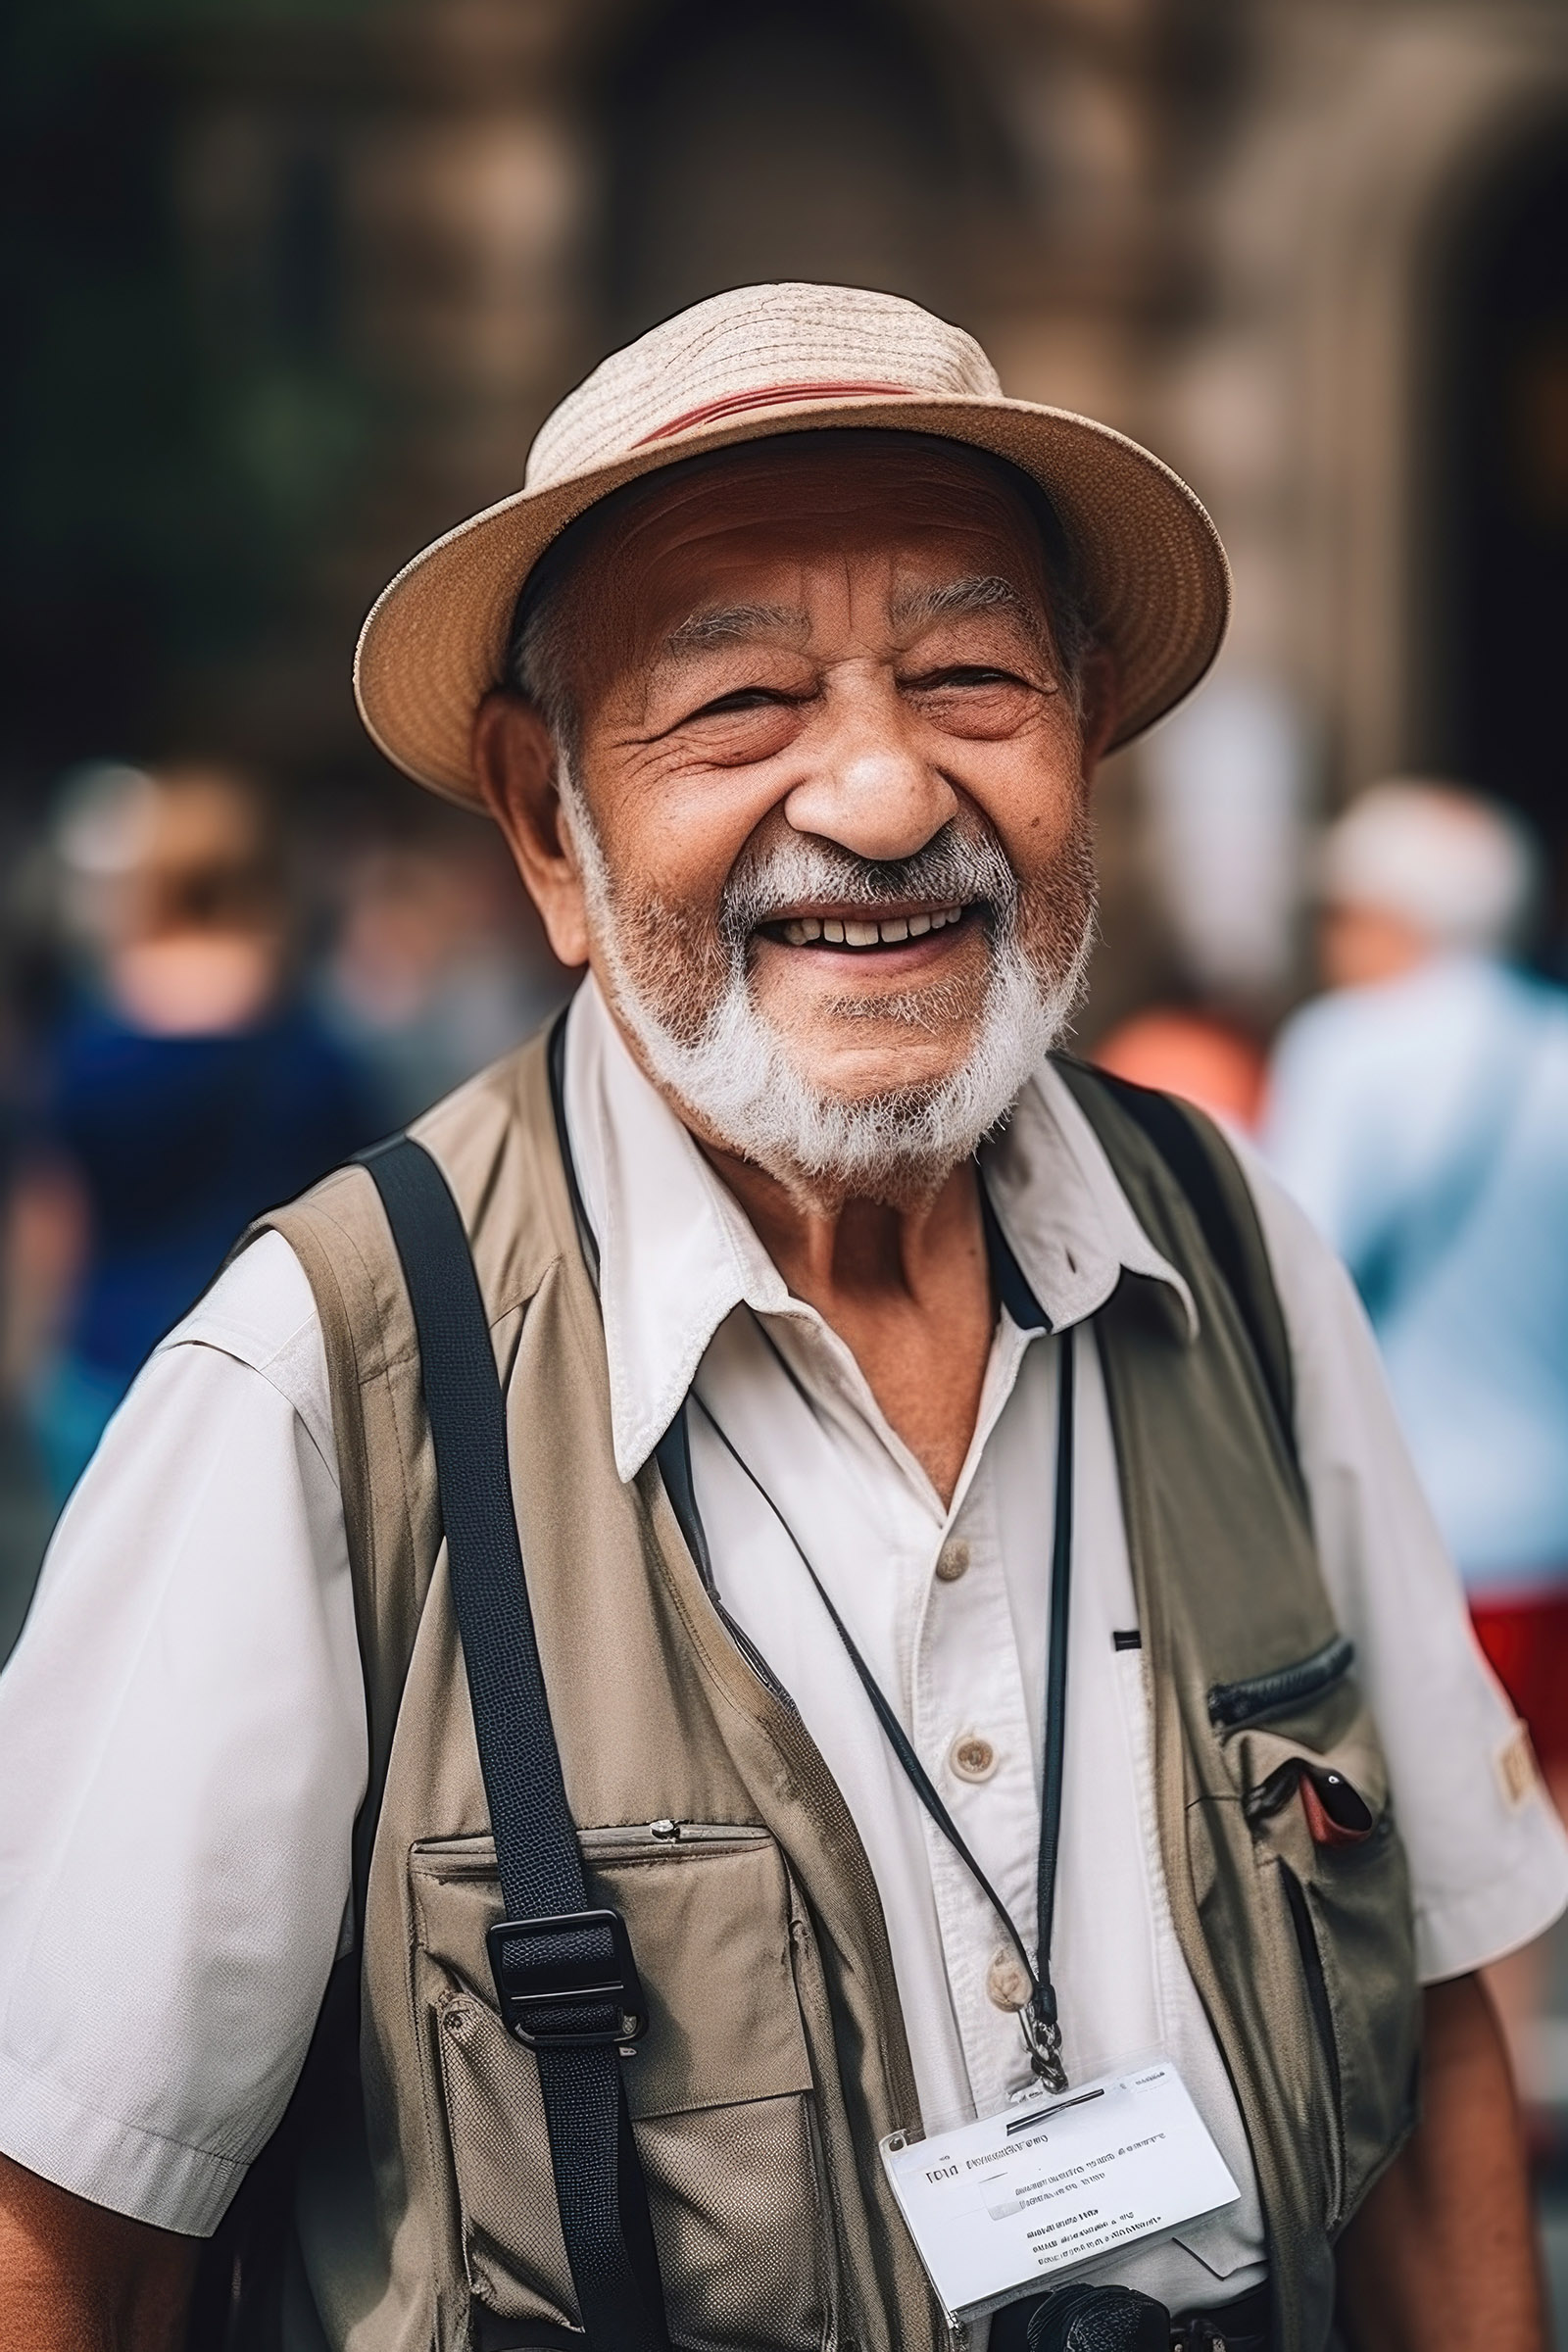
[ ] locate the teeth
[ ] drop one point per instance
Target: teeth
(803, 930)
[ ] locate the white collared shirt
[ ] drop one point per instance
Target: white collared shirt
(183, 1735)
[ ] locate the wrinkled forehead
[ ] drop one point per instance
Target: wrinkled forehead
(650, 557)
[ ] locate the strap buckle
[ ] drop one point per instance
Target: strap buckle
(548, 1971)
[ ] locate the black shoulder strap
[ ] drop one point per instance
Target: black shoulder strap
(1187, 1148)
(565, 1981)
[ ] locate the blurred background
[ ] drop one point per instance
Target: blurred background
(288, 286)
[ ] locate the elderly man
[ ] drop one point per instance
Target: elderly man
(777, 1917)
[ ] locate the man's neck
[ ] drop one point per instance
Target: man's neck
(908, 1290)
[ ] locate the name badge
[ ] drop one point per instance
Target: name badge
(1054, 2183)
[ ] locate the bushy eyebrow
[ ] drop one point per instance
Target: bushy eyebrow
(734, 624)
(918, 607)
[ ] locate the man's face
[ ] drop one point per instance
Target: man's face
(828, 760)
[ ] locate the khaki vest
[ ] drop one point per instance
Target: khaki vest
(776, 2059)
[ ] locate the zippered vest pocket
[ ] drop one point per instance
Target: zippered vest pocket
(721, 2091)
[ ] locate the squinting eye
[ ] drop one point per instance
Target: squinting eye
(744, 698)
(968, 676)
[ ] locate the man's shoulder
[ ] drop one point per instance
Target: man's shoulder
(494, 1141)
(1298, 1252)
(1467, 1006)
(1193, 1149)
(500, 1115)
(261, 1312)
(256, 1309)
(1347, 1036)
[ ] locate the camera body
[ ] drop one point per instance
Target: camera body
(1100, 2319)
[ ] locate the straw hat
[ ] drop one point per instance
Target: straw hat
(790, 358)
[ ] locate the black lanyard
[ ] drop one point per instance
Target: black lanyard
(1042, 2029)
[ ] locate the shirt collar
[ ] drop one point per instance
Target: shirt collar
(1072, 1228)
(677, 1254)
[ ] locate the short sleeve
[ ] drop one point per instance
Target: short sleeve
(1489, 1859)
(183, 1750)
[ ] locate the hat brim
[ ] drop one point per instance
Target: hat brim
(1154, 580)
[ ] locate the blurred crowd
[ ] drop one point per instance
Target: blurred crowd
(201, 1011)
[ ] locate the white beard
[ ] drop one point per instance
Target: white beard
(735, 1073)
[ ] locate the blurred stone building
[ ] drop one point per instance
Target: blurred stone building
(1315, 254)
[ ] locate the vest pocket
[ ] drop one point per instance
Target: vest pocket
(1314, 1790)
(721, 2089)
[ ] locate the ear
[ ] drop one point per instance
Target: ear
(1100, 707)
(516, 764)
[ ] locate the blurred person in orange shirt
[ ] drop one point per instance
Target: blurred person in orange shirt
(1187, 1051)
(189, 1087)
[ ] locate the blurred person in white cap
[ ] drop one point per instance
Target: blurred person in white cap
(1419, 1112)
(920, 1734)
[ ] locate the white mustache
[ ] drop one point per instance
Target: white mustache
(952, 868)
(737, 1071)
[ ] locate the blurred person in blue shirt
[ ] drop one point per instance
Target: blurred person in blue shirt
(1419, 1111)
(191, 1086)
(25, 1504)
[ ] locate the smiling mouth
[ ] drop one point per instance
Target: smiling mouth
(861, 932)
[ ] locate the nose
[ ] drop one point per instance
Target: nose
(871, 788)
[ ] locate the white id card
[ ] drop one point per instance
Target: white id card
(1055, 2183)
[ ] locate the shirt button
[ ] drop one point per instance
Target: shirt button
(973, 1758)
(952, 1560)
(1006, 1984)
